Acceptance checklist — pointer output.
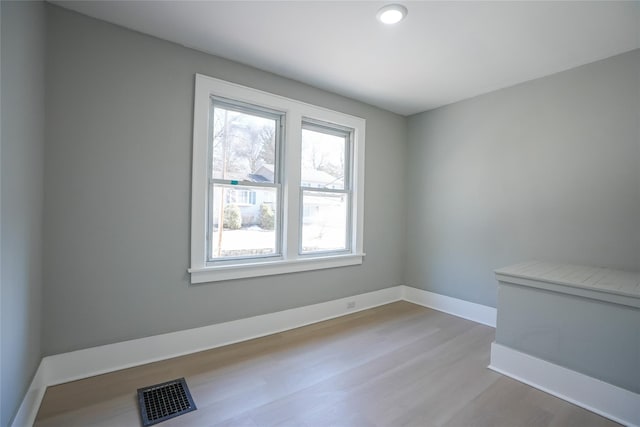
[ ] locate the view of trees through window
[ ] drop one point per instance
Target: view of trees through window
(244, 208)
(246, 192)
(324, 189)
(242, 143)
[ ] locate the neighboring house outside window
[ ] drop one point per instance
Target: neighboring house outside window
(277, 184)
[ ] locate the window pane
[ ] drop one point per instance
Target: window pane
(244, 145)
(324, 221)
(323, 159)
(244, 222)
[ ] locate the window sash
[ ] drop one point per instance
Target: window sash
(224, 184)
(342, 132)
(249, 109)
(348, 223)
(252, 110)
(335, 130)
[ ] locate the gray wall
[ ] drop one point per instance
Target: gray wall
(548, 169)
(569, 331)
(22, 149)
(118, 186)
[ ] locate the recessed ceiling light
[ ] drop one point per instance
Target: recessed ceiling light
(391, 14)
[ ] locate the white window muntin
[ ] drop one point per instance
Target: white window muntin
(295, 111)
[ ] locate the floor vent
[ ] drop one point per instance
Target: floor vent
(164, 401)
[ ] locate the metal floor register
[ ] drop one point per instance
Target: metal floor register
(164, 401)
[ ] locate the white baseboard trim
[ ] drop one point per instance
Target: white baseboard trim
(460, 308)
(26, 414)
(88, 362)
(597, 396)
(65, 367)
(75, 365)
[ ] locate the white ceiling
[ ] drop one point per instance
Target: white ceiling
(441, 53)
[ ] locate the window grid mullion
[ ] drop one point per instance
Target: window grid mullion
(243, 184)
(292, 152)
(326, 190)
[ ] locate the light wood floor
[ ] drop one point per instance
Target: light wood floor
(395, 365)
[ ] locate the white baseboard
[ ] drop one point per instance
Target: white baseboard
(612, 402)
(26, 414)
(65, 367)
(460, 308)
(605, 399)
(88, 362)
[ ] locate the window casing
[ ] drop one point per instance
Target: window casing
(288, 201)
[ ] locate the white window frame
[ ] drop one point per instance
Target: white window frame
(347, 190)
(213, 183)
(291, 260)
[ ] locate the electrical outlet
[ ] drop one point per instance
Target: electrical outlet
(351, 304)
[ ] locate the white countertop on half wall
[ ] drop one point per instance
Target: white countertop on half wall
(605, 284)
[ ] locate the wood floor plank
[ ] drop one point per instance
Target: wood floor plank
(395, 365)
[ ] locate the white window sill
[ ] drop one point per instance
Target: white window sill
(268, 268)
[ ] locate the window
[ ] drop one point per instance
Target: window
(245, 197)
(325, 188)
(243, 167)
(277, 184)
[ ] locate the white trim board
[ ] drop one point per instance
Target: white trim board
(465, 309)
(597, 396)
(107, 358)
(28, 409)
(65, 367)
